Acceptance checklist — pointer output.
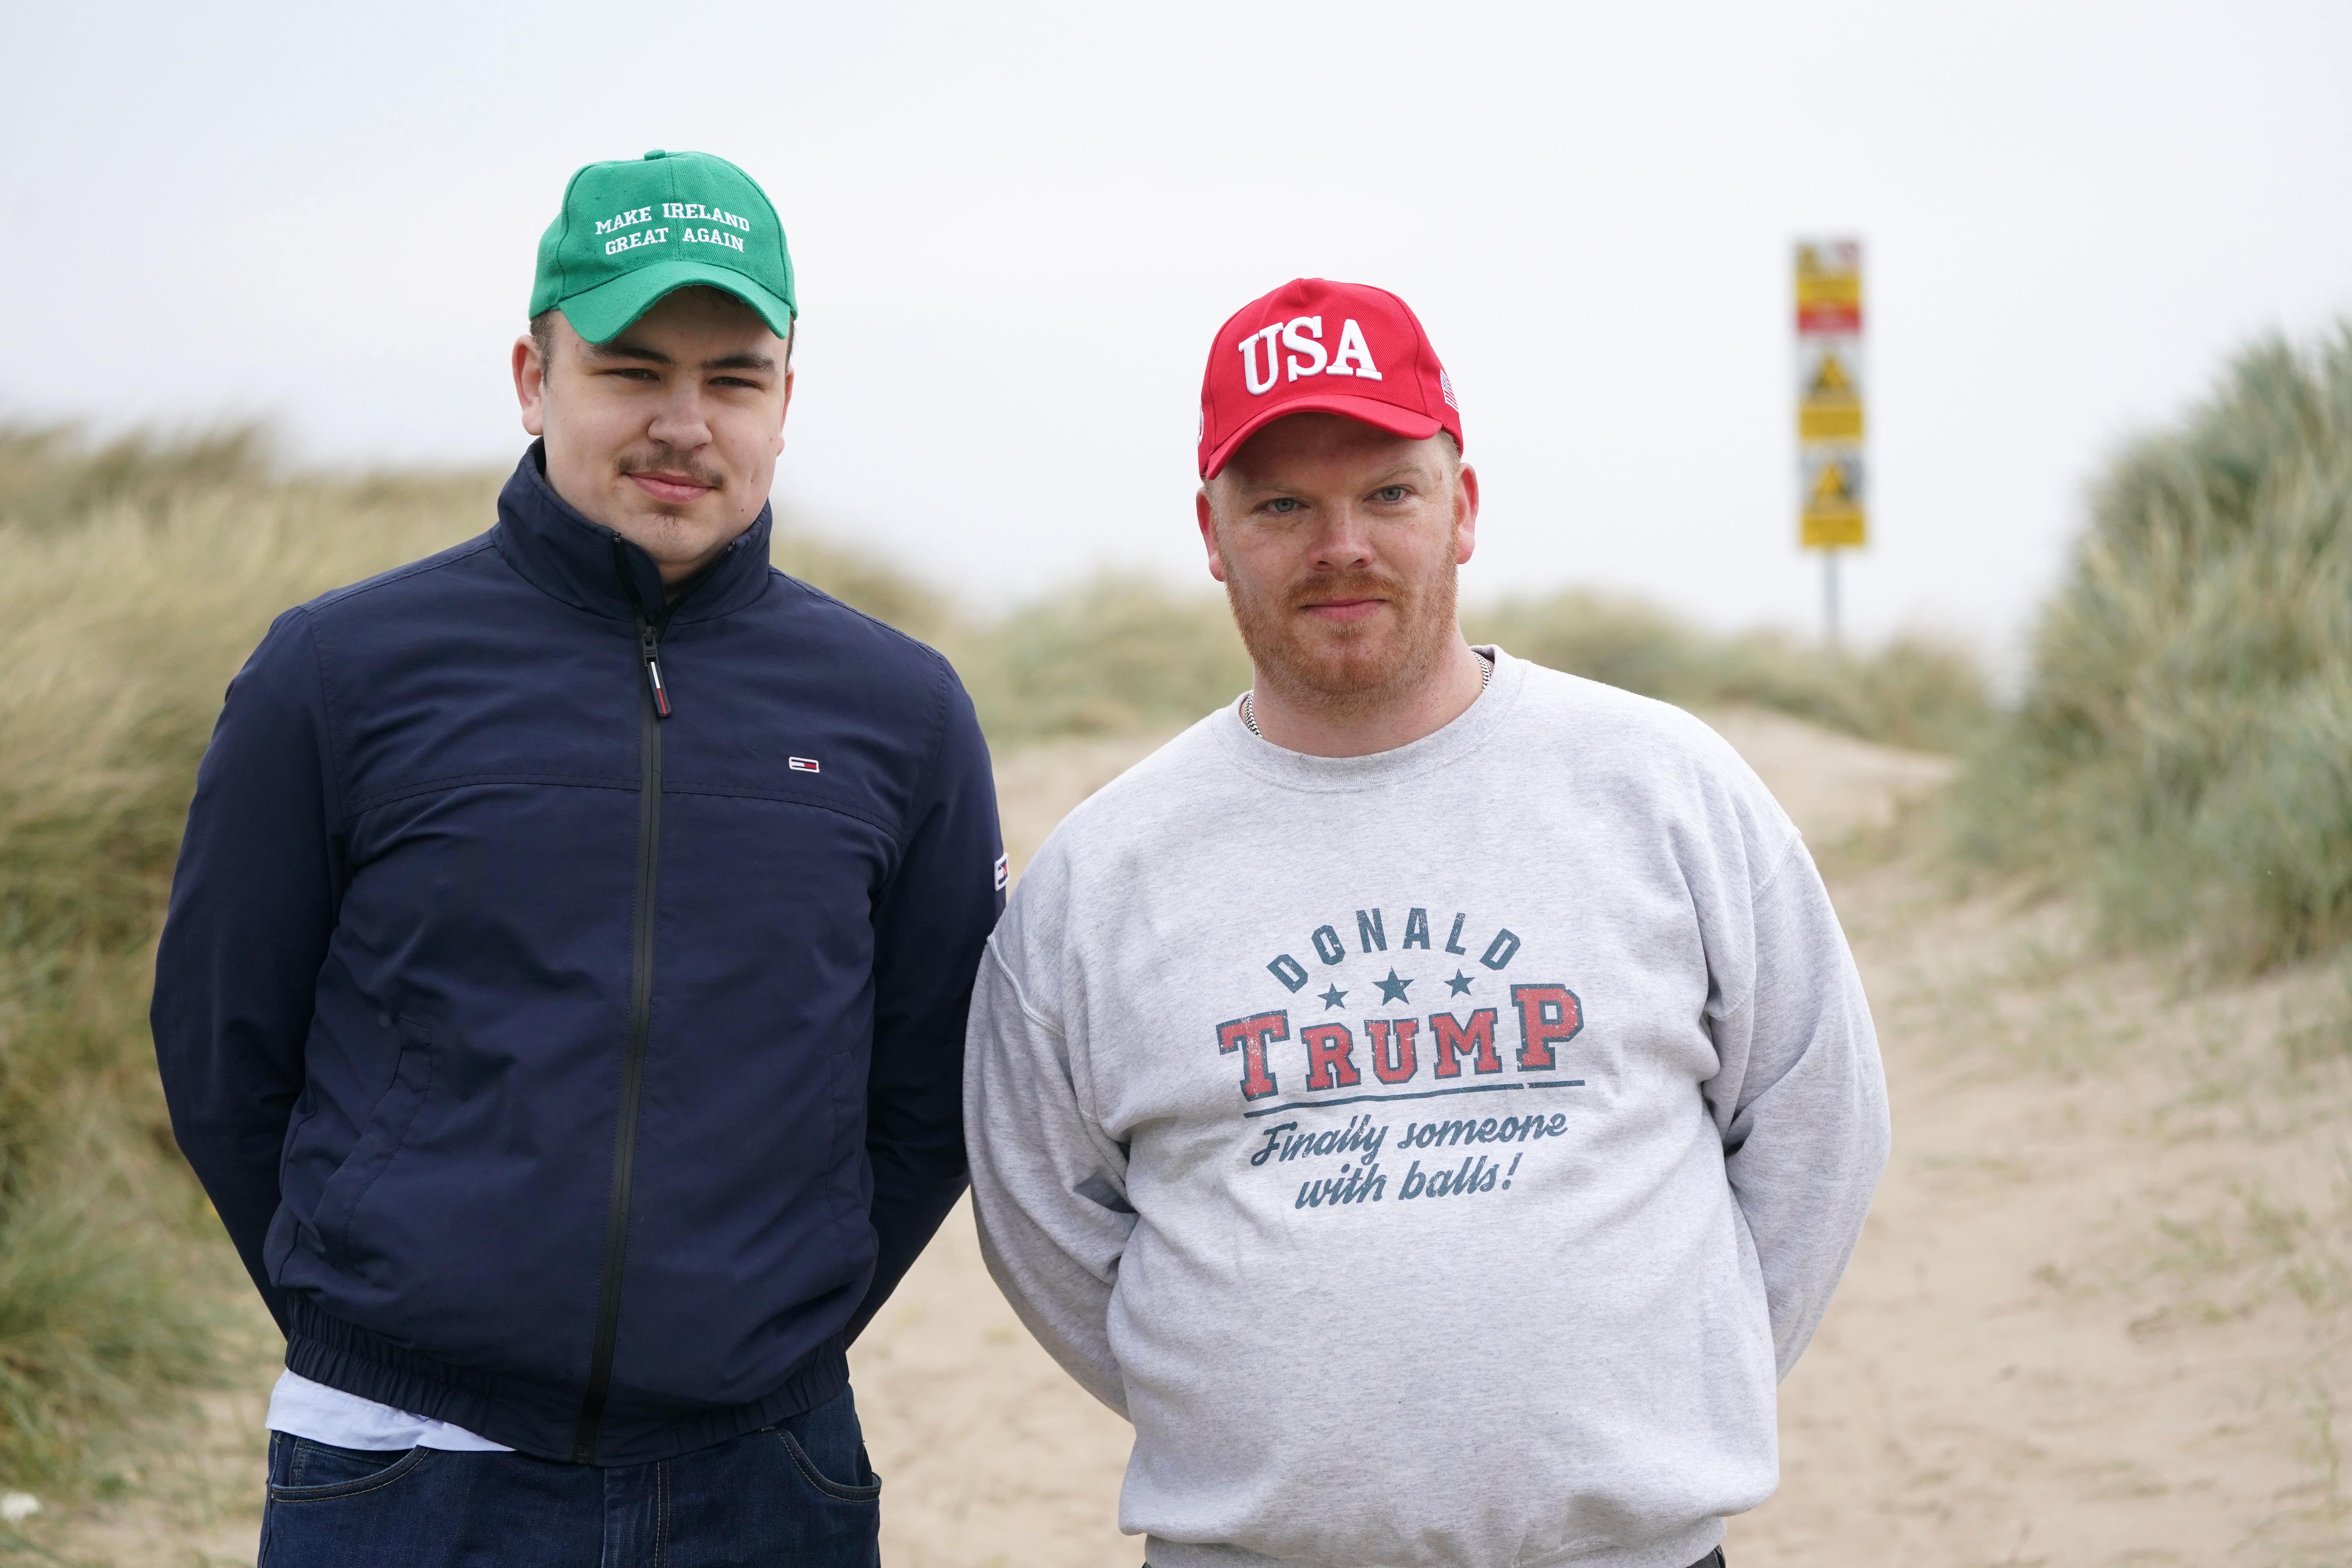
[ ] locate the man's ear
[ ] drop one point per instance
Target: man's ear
(1201, 509)
(1465, 515)
(787, 408)
(530, 384)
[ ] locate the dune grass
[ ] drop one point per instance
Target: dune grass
(138, 575)
(1125, 653)
(1910, 692)
(2183, 747)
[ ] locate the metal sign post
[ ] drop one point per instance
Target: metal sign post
(1833, 507)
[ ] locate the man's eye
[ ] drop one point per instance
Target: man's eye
(1283, 506)
(1392, 494)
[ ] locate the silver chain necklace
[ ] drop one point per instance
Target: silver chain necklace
(1486, 679)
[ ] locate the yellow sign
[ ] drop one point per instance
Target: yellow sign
(1831, 407)
(1819, 289)
(1833, 518)
(1832, 498)
(1829, 286)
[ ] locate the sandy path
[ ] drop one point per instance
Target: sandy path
(2102, 1312)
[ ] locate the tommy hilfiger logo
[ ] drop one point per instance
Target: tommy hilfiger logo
(1303, 336)
(802, 764)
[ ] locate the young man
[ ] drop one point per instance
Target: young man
(1431, 1098)
(563, 990)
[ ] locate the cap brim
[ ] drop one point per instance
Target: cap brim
(1370, 411)
(603, 313)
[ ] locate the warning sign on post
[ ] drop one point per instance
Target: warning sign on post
(1832, 500)
(1833, 479)
(1829, 392)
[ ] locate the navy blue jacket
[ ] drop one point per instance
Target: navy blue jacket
(582, 1076)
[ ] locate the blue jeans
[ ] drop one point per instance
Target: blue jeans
(799, 1493)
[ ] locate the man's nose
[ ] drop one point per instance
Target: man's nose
(680, 421)
(1346, 539)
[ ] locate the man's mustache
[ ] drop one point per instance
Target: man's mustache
(668, 460)
(1321, 589)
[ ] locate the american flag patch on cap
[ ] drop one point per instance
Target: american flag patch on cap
(802, 764)
(1004, 871)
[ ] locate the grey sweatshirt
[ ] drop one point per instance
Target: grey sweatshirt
(1437, 1155)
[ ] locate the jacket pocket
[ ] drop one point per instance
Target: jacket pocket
(380, 1141)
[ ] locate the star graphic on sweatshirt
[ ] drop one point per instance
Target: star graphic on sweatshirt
(1459, 986)
(1392, 989)
(1333, 997)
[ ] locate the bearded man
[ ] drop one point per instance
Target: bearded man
(1431, 1098)
(563, 994)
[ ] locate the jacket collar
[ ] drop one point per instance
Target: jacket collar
(564, 555)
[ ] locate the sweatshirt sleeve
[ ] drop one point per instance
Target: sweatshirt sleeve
(253, 905)
(1049, 1186)
(929, 934)
(1800, 1101)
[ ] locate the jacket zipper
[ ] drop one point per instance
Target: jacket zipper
(649, 650)
(656, 709)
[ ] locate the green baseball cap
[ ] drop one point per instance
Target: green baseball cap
(634, 230)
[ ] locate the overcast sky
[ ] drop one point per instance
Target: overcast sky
(1018, 225)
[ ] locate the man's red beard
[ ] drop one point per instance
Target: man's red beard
(1346, 666)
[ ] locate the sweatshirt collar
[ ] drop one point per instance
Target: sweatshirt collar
(564, 555)
(1415, 759)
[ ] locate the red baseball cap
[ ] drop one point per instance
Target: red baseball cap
(1314, 346)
